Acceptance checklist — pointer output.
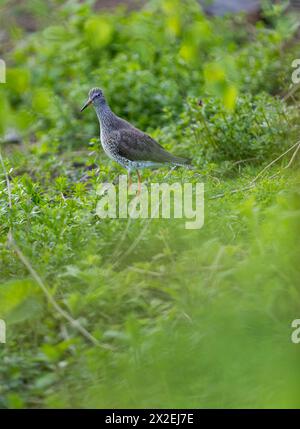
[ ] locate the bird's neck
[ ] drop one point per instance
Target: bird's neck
(105, 115)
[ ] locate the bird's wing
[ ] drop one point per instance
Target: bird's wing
(135, 145)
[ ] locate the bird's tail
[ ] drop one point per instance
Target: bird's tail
(182, 162)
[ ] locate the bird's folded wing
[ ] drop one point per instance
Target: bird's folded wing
(137, 146)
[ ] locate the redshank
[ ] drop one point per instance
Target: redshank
(127, 145)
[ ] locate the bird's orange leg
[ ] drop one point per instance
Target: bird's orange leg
(129, 180)
(139, 183)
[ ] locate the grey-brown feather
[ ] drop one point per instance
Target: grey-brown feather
(138, 146)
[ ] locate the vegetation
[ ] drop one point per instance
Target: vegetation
(169, 317)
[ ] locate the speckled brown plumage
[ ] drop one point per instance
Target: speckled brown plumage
(124, 143)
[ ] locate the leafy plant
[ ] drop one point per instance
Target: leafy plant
(202, 317)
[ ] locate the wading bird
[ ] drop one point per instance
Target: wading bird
(127, 145)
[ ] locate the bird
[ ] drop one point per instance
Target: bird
(127, 145)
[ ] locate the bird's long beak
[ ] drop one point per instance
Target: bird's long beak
(86, 104)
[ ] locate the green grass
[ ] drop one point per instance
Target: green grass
(188, 318)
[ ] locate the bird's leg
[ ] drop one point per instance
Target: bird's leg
(139, 183)
(129, 180)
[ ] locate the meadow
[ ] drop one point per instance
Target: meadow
(145, 313)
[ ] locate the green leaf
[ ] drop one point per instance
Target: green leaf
(19, 300)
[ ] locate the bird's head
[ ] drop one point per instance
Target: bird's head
(95, 96)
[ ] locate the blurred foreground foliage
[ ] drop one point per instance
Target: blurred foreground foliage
(195, 318)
